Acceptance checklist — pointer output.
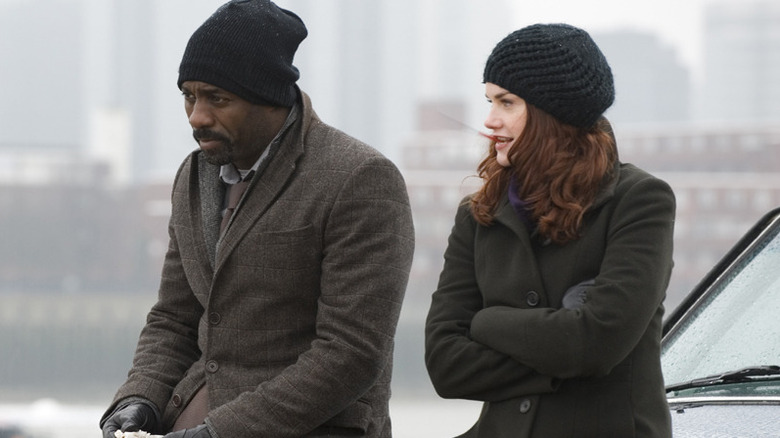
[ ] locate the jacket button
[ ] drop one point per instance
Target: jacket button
(525, 406)
(214, 318)
(176, 400)
(532, 298)
(212, 366)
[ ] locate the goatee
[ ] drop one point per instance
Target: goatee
(217, 156)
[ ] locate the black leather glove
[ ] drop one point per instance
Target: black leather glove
(131, 417)
(196, 432)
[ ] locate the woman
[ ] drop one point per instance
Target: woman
(549, 305)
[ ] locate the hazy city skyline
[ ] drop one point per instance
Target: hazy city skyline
(89, 96)
(120, 60)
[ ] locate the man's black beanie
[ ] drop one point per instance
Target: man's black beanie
(557, 68)
(247, 47)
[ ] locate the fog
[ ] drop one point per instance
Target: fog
(92, 130)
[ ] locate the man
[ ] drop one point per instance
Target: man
(282, 323)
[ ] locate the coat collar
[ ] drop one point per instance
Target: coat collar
(507, 216)
(608, 188)
(260, 195)
(211, 193)
(266, 187)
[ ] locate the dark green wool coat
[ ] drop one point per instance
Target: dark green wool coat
(496, 331)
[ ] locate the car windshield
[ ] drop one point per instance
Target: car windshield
(736, 326)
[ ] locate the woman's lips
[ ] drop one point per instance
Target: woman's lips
(499, 140)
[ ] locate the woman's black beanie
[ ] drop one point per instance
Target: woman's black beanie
(247, 47)
(557, 68)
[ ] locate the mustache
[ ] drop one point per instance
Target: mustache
(208, 134)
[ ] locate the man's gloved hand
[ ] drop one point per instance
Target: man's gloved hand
(132, 417)
(196, 432)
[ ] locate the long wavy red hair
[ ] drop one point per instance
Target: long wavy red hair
(559, 169)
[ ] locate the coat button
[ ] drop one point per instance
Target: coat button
(176, 400)
(532, 298)
(212, 366)
(525, 406)
(214, 318)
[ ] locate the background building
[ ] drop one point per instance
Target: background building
(41, 73)
(92, 130)
(651, 82)
(367, 65)
(741, 61)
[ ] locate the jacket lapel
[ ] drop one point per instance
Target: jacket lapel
(264, 188)
(607, 191)
(211, 192)
(259, 196)
(528, 242)
(506, 215)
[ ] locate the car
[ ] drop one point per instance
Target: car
(720, 351)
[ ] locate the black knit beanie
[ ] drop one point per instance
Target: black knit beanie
(247, 47)
(557, 68)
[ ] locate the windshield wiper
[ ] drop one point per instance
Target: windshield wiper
(742, 375)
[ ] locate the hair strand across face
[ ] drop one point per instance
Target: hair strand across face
(559, 170)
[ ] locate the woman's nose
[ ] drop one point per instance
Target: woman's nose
(491, 121)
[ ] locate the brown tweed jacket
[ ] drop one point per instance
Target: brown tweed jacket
(290, 317)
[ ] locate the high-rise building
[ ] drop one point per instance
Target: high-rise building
(41, 76)
(651, 83)
(742, 61)
(73, 66)
(129, 70)
(368, 64)
(93, 81)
